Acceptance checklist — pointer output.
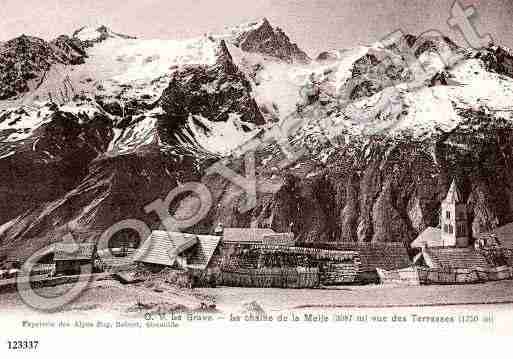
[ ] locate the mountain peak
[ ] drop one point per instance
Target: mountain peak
(242, 28)
(261, 37)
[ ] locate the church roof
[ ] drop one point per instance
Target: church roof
(430, 237)
(454, 194)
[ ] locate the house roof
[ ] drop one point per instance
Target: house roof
(503, 234)
(430, 237)
(314, 252)
(461, 258)
(68, 251)
(246, 235)
(386, 256)
(279, 239)
(163, 247)
(202, 253)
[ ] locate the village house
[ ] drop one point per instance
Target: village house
(178, 250)
(74, 258)
(189, 254)
(451, 258)
(164, 249)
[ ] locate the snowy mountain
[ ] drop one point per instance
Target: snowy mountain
(96, 125)
(262, 38)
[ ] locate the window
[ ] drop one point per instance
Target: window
(451, 229)
(446, 228)
(448, 215)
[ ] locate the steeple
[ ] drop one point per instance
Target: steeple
(454, 219)
(454, 194)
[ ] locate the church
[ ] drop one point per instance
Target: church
(454, 224)
(449, 246)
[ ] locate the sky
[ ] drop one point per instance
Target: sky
(315, 25)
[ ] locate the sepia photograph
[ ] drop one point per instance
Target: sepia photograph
(335, 166)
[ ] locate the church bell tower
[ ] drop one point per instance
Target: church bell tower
(454, 219)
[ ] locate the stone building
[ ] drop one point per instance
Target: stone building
(454, 224)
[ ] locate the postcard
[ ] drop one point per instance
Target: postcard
(183, 174)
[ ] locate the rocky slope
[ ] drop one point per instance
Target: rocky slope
(25, 59)
(96, 126)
